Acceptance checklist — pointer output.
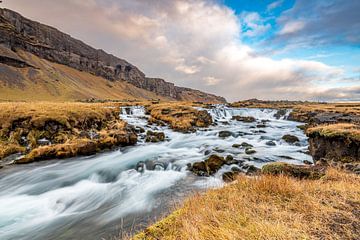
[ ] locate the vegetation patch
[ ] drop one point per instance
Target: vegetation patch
(269, 207)
(180, 116)
(340, 130)
(46, 130)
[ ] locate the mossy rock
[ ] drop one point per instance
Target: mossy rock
(296, 171)
(244, 119)
(290, 138)
(208, 167)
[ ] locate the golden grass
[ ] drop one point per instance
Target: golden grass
(346, 130)
(268, 207)
(352, 108)
(181, 116)
(64, 124)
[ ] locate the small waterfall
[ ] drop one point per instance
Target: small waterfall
(133, 110)
(223, 113)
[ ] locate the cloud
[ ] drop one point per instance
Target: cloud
(193, 43)
(328, 22)
(253, 25)
(210, 81)
(292, 27)
(274, 5)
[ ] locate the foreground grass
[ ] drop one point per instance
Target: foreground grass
(269, 207)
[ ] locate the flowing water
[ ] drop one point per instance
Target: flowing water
(99, 196)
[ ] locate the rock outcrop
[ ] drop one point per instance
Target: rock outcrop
(17, 32)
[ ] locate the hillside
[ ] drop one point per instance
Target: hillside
(35, 58)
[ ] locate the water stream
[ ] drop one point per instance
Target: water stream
(99, 196)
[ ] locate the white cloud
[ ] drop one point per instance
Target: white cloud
(210, 81)
(193, 43)
(274, 5)
(253, 24)
(292, 27)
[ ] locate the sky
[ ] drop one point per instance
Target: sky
(239, 49)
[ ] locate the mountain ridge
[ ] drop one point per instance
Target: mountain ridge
(18, 33)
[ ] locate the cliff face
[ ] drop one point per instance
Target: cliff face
(17, 32)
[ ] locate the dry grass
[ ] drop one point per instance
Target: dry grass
(181, 116)
(269, 207)
(66, 125)
(56, 82)
(345, 130)
(352, 108)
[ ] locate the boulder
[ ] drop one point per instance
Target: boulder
(225, 134)
(250, 151)
(290, 138)
(280, 113)
(244, 119)
(229, 176)
(208, 167)
(270, 143)
(154, 136)
(246, 145)
(296, 171)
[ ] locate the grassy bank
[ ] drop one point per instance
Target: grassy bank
(269, 207)
(180, 116)
(44, 130)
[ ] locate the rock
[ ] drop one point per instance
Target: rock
(290, 138)
(139, 129)
(244, 119)
(270, 143)
(236, 169)
(207, 152)
(219, 150)
(306, 162)
(154, 136)
(261, 126)
(286, 157)
(200, 169)
(251, 170)
(246, 145)
(214, 163)
(280, 113)
(250, 151)
(140, 166)
(209, 166)
(225, 134)
(229, 158)
(236, 145)
(229, 176)
(296, 171)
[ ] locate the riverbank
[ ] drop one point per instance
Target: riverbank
(319, 201)
(268, 207)
(45, 130)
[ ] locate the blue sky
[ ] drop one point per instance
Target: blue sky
(239, 49)
(341, 53)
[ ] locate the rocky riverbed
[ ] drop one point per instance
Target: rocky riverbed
(100, 195)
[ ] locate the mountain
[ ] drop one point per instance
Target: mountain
(38, 62)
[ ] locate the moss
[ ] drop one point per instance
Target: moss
(159, 229)
(340, 130)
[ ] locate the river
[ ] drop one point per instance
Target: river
(123, 190)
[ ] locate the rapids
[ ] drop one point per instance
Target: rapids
(100, 196)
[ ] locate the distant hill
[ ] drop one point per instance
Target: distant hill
(38, 62)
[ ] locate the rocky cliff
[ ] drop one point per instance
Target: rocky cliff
(17, 32)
